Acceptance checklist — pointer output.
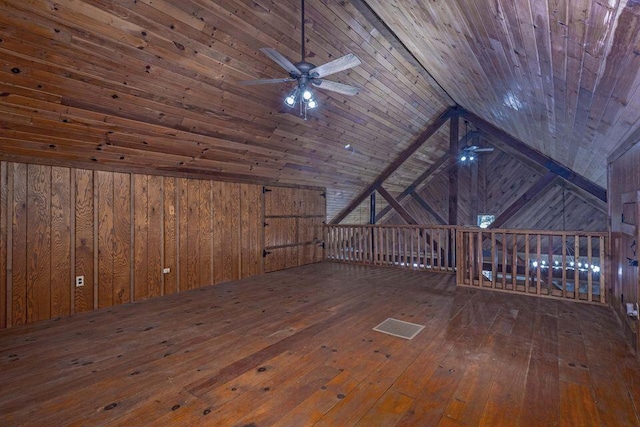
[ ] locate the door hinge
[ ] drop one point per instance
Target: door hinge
(264, 224)
(265, 190)
(265, 253)
(324, 194)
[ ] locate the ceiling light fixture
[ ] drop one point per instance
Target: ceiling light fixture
(303, 97)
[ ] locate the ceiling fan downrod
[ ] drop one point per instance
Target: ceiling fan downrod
(302, 24)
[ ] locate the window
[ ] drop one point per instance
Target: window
(485, 220)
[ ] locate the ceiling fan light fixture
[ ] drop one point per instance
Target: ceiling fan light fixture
(307, 95)
(290, 100)
(306, 74)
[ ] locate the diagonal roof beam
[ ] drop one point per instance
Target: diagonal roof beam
(410, 219)
(533, 192)
(411, 189)
(427, 207)
(536, 156)
(414, 185)
(397, 206)
(386, 173)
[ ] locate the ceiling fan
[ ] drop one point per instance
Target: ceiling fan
(307, 75)
(469, 153)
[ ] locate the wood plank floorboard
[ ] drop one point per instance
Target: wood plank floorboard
(296, 348)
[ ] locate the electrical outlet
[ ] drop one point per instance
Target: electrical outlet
(166, 270)
(79, 281)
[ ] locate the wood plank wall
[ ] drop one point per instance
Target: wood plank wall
(624, 177)
(120, 230)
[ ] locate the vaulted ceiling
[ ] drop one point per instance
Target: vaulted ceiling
(154, 84)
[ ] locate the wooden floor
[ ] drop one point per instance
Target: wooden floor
(296, 348)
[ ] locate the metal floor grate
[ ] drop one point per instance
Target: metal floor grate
(399, 328)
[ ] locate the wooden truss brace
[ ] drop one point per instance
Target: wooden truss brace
(536, 156)
(426, 206)
(386, 173)
(410, 190)
(397, 206)
(409, 218)
(533, 192)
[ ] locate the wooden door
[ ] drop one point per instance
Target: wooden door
(627, 247)
(293, 222)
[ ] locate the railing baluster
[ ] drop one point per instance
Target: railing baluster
(354, 244)
(564, 265)
(527, 263)
(383, 247)
(589, 270)
(347, 246)
(416, 242)
(365, 244)
(366, 241)
(576, 268)
(505, 248)
(369, 242)
(514, 263)
(602, 270)
(392, 246)
(442, 244)
(453, 238)
(423, 238)
(538, 268)
(550, 264)
(379, 245)
(472, 257)
(434, 251)
(478, 257)
(494, 259)
(411, 254)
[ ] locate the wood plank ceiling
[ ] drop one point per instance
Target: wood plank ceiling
(152, 85)
(561, 75)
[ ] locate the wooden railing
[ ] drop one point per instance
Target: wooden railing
(545, 263)
(407, 246)
(568, 265)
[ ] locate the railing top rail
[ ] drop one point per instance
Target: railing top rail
(423, 226)
(580, 233)
(463, 228)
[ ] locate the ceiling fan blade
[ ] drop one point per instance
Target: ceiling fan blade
(281, 60)
(266, 81)
(484, 150)
(336, 87)
(335, 66)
